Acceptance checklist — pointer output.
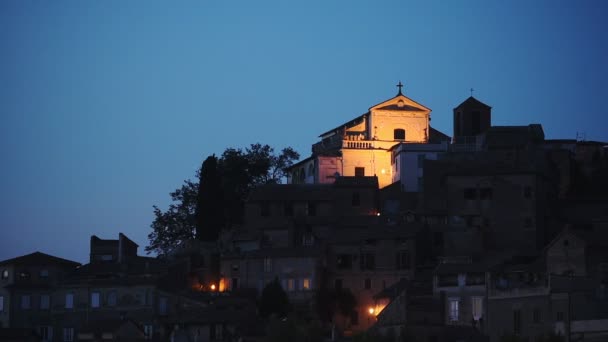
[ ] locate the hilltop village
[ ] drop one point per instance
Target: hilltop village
(390, 229)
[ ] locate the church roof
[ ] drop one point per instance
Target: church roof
(472, 102)
(352, 122)
(437, 136)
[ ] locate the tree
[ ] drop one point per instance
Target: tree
(209, 206)
(176, 225)
(274, 300)
(217, 200)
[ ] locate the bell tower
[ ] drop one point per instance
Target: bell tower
(472, 117)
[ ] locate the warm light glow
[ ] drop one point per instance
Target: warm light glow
(377, 214)
(383, 171)
(371, 311)
(212, 287)
(222, 286)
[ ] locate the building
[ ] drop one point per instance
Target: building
(362, 146)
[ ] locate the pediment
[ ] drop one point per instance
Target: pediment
(401, 103)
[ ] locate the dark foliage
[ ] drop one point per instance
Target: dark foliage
(274, 300)
(223, 185)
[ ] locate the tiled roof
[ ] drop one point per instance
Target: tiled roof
(38, 258)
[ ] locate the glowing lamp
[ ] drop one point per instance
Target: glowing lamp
(371, 311)
(212, 287)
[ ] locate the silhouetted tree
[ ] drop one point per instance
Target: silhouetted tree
(237, 171)
(176, 225)
(274, 300)
(210, 204)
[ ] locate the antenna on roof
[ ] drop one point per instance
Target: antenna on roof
(472, 90)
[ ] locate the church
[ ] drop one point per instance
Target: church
(391, 134)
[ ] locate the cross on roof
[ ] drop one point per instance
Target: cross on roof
(400, 85)
(472, 91)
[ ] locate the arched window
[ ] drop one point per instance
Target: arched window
(399, 134)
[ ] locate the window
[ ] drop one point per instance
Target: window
(46, 333)
(536, 315)
(44, 273)
(1, 303)
(106, 257)
(235, 284)
(69, 300)
(111, 298)
(311, 209)
(359, 172)
(291, 284)
(403, 260)
(477, 307)
(24, 275)
(368, 284)
(162, 305)
(527, 192)
(516, 322)
(470, 193)
(485, 193)
(265, 209)
(308, 239)
(475, 278)
(354, 317)
(148, 331)
(560, 316)
(68, 334)
(476, 123)
(25, 302)
(4, 274)
(344, 262)
(399, 134)
(367, 261)
(267, 265)
(306, 284)
(338, 284)
(95, 299)
(45, 302)
(420, 184)
(288, 209)
(421, 158)
(454, 309)
(235, 267)
(356, 199)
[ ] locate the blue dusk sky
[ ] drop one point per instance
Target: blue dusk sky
(107, 106)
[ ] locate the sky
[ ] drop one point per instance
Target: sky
(107, 106)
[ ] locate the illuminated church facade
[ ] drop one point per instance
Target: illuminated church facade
(376, 143)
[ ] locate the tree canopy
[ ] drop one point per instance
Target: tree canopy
(201, 209)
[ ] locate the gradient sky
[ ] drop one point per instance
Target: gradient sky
(107, 106)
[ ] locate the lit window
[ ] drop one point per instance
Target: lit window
(45, 302)
(25, 302)
(306, 284)
(68, 334)
(69, 300)
(454, 309)
(5, 274)
(477, 307)
(95, 299)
